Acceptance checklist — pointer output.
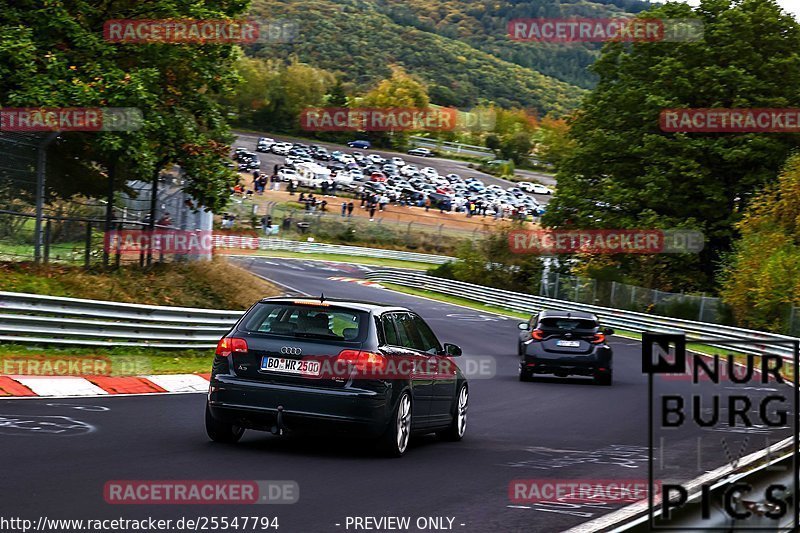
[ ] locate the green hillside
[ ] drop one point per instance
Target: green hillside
(459, 48)
(483, 25)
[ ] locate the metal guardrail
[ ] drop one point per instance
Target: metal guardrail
(39, 319)
(232, 242)
(627, 320)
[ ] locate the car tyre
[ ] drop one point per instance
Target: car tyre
(525, 375)
(394, 442)
(222, 431)
(605, 379)
(458, 426)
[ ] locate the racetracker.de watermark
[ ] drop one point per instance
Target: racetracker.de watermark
(353, 364)
(48, 365)
(200, 492)
(589, 30)
(578, 490)
(179, 242)
(379, 119)
(42, 365)
(32, 119)
(200, 31)
(606, 241)
(732, 120)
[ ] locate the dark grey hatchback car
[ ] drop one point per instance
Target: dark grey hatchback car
(334, 365)
(565, 343)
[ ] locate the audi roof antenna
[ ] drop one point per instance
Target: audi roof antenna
(322, 297)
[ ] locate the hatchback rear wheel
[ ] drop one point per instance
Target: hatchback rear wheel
(222, 431)
(394, 442)
(459, 424)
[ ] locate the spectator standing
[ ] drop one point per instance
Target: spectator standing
(427, 203)
(350, 208)
(371, 211)
(344, 209)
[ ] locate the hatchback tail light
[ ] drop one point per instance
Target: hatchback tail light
(228, 345)
(363, 362)
(537, 334)
(598, 338)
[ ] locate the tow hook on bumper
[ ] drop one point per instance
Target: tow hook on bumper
(280, 427)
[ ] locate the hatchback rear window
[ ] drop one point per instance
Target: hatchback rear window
(567, 324)
(307, 321)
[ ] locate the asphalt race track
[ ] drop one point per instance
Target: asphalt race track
(549, 429)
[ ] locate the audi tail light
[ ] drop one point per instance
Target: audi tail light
(229, 345)
(537, 334)
(363, 362)
(598, 338)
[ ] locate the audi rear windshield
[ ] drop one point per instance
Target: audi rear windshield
(314, 321)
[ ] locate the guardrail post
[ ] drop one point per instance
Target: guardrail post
(558, 283)
(613, 293)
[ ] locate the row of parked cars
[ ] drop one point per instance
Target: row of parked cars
(396, 178)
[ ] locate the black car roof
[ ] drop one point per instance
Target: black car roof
(549, 313)
(357, 305)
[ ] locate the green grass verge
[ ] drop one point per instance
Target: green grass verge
(120, 361)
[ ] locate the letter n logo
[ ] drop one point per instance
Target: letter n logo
(656, 356)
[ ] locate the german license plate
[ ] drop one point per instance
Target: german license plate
(290, 366)
(568, 344)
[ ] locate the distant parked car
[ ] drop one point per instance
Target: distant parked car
(424, 152)
(264, 144)
(540, 189)
(287, 174)
(360, 144)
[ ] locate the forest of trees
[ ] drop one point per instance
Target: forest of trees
(362, 39)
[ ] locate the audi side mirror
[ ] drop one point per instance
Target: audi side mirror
(608, 331)
(451, 350)
(523, 326)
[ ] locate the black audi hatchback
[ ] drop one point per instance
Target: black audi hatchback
(335, 366)
(564, 343)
